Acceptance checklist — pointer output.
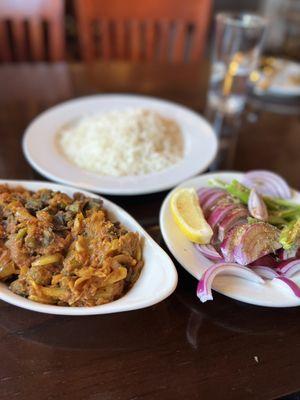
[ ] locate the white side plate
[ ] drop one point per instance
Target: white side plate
(270, 294)
(157, 281)
(282, 83)
(41, 150)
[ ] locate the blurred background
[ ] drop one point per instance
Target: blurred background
(163, 48)
(70, 19)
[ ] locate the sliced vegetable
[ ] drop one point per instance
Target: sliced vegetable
(265, 272)
(21, 233)
(288, 283)
(267, 183)
(239, 191)
(232, 240)
(235, 217)
(7, 270)
(47, 259)
(267, 261)
(213, 200)
(257, 207)
(209, 252)
(205, 283)
(283, 254)
(189, 217)
(280, 210)
(249, 236)
(290, 235)
(204, 193)
(220, 212)
(257, 240)
(289, 268)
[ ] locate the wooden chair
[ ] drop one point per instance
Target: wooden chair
(31, 30)
(142, 30)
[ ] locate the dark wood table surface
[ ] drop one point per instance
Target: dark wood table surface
(178, 349)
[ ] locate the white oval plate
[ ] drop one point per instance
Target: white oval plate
(41, 151)
(281, 84)
(157, 281)
(271, 294)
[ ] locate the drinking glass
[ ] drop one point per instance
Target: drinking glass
(237, 47)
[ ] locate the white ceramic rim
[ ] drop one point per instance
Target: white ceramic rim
(165, 274)
(41, 152)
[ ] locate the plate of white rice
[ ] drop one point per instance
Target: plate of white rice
(119, 144)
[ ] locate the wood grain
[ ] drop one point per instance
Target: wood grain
(177, 349)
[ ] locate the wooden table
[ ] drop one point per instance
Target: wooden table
(178, 349)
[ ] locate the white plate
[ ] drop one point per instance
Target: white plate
(270, 294)
(281, 84)
(157, 281)
(41, 152)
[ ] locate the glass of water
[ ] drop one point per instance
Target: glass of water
(237, 47)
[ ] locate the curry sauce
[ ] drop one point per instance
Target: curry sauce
(55, 249)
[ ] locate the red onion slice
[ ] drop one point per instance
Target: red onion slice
(209, 252)
(257, 240)
(266, 261)
(267, 183)
(289, 283)
(212, 200)
(256, 206)
(283, 254)
(289, 268)
(232, 240)
(204, 285)
(293, 270)
(220, 212)
(205, 193)
(235, 217)
(202, 191)
(265, 272)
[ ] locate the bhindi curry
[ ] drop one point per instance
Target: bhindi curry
(65, 251)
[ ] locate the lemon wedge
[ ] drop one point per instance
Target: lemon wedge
(189, 217)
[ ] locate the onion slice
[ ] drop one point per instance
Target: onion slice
(205, 193)
(256, 206)
(267, 183)
(265, 272)
(288, 282)
(232, 240)
(283, 254)
(235, 217)
(209, 252)
(289, 268)
(212, 201)
(266, 261)
(220, 212)
(257, 240)
(204, 285)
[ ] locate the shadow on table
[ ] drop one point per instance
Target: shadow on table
(295, 396)
(231, 315)
(115, 332)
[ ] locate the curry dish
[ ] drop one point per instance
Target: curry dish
(66, 251)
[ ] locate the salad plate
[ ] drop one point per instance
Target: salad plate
(41, 150)
(158, 278)
(269, 294)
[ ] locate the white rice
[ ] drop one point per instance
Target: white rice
(118, 143)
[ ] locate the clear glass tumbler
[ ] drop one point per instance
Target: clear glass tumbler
(238, 42)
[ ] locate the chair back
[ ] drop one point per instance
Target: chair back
(142, 30)
(32, 30)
